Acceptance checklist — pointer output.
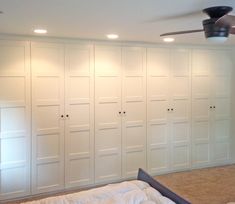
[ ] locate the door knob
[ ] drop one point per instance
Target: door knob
(119, 112)
(210, 107)
(67, 115)
(62, 116)
(168, 109)
(172, 109)
(213, 106)
(124, 112)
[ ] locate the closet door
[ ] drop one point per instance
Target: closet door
(79, 114)
(158, 126)
(47, 62)
(14, 119)
(221, 64)
(180, 110)
(201, 103)
(133, 111)
(107, 113)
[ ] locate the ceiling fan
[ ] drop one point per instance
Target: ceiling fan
(217, 27)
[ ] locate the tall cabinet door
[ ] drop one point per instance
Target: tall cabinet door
(221, 64)
(14, 119)
(47, 63)
(201, 111)
(180, 110)
(107, 113)
(133, 111)
(79, 114)
(158, 131)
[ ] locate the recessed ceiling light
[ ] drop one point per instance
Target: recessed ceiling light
(168, 39)
(40, 31)
(112, 36)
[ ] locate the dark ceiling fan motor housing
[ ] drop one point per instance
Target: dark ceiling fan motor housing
(210, 27)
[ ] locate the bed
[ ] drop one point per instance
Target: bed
(144, 190)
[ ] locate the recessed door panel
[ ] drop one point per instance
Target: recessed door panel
(18, 178)
(133, 61)
(180, 62)
(159, 160)
(158, 134)
(201, 109)
(14, 58)
(48, 175)
(52, 85)
(201, 87)
(158, 88)
(201, 131)
(181, 110)
(181, 156)
(221, 152)
(107, 60)
(79, 88)
(8, 93)
(221, 62)
(181, 132)
(158, 62)
(222, 130)
(201, 62)
(47, 146)
(201, 154)
(79, 171)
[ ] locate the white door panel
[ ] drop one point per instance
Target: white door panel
(158, 104)
(107, 117)
(201, 102)
(211, 106)
(133, 111)
(180, 109)
(79, 113)
(47, 62)
(14, 119)
(221, 74)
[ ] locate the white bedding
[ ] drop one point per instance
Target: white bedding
(128, 192)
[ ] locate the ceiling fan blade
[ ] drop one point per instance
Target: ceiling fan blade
(182, 32)
(192, 14)
(232, 31)
(227, 20)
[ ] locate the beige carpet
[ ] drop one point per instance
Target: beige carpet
(204, 186)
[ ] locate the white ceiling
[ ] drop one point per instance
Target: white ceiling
(92, 19)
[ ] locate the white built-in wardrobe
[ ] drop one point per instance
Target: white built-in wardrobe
(80, 114)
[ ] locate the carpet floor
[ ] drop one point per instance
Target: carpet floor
(203, 186)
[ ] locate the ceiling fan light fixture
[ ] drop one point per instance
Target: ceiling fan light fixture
(217, 39)
(215, 33)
